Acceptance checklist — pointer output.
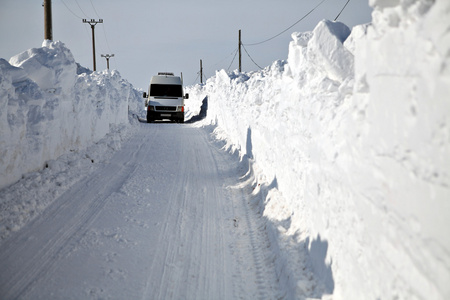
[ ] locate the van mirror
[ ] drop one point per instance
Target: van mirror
(145, 95)
(187, 96)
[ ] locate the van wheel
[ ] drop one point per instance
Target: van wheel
(149, 119)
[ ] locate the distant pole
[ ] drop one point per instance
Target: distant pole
(48, 30)
(201, 72)
(240, 56)
(93, 22)
(107, 56)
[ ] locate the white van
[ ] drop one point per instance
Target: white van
(165, 98)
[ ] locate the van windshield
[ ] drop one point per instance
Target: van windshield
(166, 90)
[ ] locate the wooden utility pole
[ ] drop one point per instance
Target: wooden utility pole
(201, 72)
(240, 56)
(107, 56)
(93, 22)
(48, 30)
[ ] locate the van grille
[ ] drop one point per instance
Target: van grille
(166, 108)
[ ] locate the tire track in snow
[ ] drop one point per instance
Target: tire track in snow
(194, 263)
(40, 256)
(253, 260)
(172, 180)
(252, 247)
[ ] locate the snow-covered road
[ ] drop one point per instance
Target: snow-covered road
(161, 220)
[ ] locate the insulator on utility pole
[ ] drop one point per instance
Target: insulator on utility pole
(93, 22)
(201, 72)
(48, 30)
(240, 56)
(107, 56)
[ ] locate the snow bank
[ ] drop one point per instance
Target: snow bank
(350, 142)
(47, 109)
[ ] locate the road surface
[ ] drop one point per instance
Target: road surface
(163, 219)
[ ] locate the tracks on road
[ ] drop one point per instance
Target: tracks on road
(156, 222)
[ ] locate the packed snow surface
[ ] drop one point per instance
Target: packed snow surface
(146, 224)
(336, 184)
(350, 138)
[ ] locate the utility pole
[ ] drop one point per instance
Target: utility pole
(107, 56)
(93, 22)
(201, 72)
(48, 30)
(240, 56)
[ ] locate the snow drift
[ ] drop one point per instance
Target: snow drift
(349, 140)
(49, 105)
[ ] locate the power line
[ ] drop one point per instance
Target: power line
(198, 75)
(342, 10)
(74, 14)
(71, 10)
(103, 27)
(251, 57)
(106, 39)
(78, 17)
(289, 26)
(225, 58)
(235, 53)
(100, 45)
(94, 9)
(76, 1)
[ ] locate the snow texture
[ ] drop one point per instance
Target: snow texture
(350, 144)
(49, 106)
(348, 139)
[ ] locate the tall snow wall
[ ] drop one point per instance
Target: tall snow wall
(49, 105)
(351, 137)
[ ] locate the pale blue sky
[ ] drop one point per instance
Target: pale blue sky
(149, 36)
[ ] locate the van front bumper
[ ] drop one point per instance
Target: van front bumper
(161, 115)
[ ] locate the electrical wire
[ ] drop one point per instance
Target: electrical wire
(94, 9)
(342, 10)
(103, 27)
(233, 59)
(78, 4)
(71, 10)
(250, 56)
(225, 58)
(302, 18)
(198, 75)
(73, 13)
(106, 39)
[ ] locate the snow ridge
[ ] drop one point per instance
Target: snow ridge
(350, 144)
(48, 109)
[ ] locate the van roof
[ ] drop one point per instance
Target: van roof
(166, 79)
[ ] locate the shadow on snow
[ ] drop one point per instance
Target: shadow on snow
(301, 263)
